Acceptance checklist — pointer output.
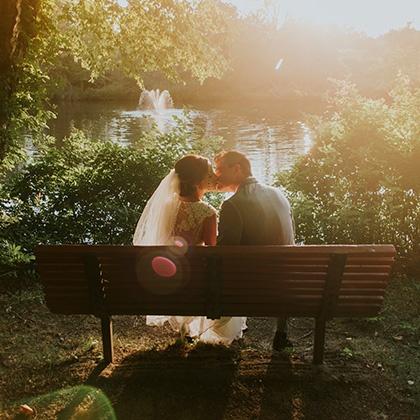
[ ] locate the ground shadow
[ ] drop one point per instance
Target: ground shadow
(178, 382)
(297, 389)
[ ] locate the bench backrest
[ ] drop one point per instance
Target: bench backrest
(341, 280)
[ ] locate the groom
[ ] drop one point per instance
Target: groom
(255, 215)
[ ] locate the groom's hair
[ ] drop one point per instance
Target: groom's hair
(232, 157)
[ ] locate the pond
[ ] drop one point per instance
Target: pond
(272, 138)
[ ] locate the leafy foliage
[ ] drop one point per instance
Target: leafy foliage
(13, 259)
(87, 191)
(174, 37)
(360, 183)
(22, 81)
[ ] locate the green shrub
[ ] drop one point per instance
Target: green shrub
(88, 191)
(360, 182)
(13, 260)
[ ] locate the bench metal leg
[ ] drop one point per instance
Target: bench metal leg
(319, 341)
(107, 341)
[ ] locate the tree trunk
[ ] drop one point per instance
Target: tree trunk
(18, 27)
(9, 13)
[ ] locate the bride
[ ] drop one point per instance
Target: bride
(175, 210)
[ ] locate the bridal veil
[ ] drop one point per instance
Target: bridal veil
(156, 224)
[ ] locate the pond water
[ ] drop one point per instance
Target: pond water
(272, 138)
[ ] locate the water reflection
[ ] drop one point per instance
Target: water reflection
(164, 119)
(271, 139)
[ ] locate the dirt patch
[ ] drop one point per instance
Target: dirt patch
(50, 362)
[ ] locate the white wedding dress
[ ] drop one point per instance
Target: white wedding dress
(165, 217)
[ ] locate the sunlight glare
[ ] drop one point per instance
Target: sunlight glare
(279, 64)
(374, 17)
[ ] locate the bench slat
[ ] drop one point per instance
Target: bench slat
(134, 289)
(225, 250)
(260, 310)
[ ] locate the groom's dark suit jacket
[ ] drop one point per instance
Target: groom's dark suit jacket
(256, 215)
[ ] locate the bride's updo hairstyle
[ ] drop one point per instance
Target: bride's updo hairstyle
(191, 169)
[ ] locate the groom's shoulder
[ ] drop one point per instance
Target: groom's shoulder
(275, 190)
(257, 192)
(278, 192)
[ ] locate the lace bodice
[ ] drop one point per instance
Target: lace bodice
(189, 221)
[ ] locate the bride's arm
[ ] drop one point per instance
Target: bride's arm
(210, 230)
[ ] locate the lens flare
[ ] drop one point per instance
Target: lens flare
(69, 403)
(179, 243)
(180, 246)
(163, 267)
(279, 64)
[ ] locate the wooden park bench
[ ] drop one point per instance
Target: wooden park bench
(322, 282)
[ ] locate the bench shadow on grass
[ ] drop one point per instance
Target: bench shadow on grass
(204, 382)
(283, 392)
(210, 382)
(295, 388)
(178, 382)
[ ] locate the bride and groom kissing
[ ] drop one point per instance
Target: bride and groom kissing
(255, 214)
